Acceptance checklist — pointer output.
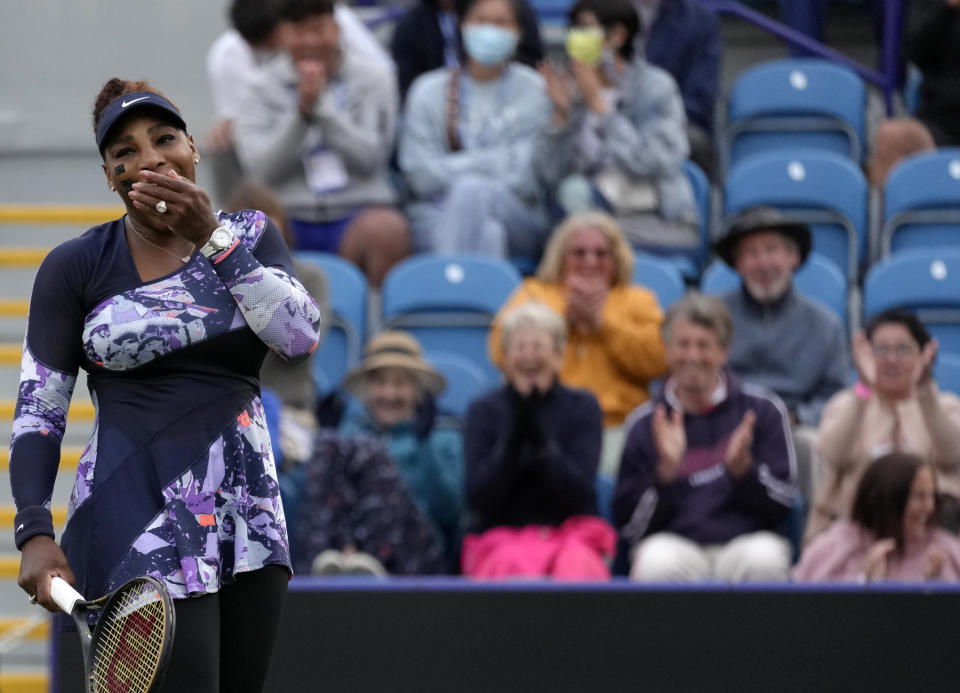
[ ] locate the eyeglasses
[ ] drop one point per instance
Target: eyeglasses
(599, 253)
(896, 350)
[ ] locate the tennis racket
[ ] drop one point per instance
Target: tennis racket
(130, 646)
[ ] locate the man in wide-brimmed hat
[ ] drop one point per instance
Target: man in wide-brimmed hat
(784, 341)
(397, 387)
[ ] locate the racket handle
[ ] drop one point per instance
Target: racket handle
(63, 594)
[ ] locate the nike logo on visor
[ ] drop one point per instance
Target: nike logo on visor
(130, 103)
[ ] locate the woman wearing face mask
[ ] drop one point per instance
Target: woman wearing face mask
(467, 142)
(616, 139)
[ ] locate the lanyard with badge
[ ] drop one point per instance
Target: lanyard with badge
(484, 135)
(324, 169)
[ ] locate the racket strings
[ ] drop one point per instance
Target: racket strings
(130, 644)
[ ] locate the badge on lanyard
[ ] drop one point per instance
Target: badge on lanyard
(324, 169)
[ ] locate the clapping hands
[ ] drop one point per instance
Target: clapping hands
(585, 300)
(670, 440)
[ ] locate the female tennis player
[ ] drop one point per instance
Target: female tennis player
(170, 310)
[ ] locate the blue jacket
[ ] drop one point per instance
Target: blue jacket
(685, 41)
(430, 466)
(704, 503)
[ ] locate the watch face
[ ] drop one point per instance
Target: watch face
(221, 237)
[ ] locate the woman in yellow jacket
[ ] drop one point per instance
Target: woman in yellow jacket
(614, 346)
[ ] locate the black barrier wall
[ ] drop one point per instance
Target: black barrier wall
(449, 637)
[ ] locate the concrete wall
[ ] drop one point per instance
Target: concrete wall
(55, 56)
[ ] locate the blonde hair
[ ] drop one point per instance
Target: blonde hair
(551, 267)
(537, 315)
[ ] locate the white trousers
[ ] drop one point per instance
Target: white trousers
(666, 557)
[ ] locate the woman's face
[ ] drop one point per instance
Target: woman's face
(391, 395)
(897, 356)
(588, 255)
(531, 359)
(147, 143)
(920, 505)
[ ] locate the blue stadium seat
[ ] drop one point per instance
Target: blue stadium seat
(448, 302)
(925, 281)
(823, 189)
(551, 12)
(795, 103)
(465, 382)
(660, 276)
(817, 279)
(342, 347)
(922, 202)
(690, 262)
(946, 371)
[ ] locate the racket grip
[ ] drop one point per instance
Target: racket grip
(63, 594)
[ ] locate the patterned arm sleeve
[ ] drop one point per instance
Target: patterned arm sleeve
(47, 377)
(273, 302)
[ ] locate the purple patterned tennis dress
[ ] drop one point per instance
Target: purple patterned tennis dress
(178, 480)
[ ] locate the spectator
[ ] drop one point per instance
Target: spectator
(427, 38)
(531, 450)
(397, 388)
(683, 38)
(235, 57)
(467, 143)
(232, 59)
(783, 341)
(613, 344)
(895, 406)
(708, 472)
(617, 138)
(317, 126)
(896, 139)
(933, 44)
(809, 17)
(357, 515)
(892, 533)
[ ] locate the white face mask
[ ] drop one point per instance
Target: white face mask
(489, 45)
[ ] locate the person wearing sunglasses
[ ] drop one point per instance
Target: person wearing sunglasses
(614, 348)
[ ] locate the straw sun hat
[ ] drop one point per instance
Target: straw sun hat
(399, 350)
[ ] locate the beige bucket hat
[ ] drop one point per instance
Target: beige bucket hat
(399, 350)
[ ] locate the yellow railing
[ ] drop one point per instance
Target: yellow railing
(14, 682)
(14, 308)
(22, 257)
(58, 214)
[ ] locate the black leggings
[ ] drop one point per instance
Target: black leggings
(224, 641)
